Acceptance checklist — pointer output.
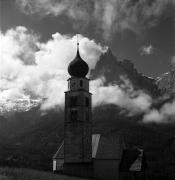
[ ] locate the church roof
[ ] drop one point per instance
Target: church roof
(95, 143)
(78, 67)
(103, 147)
(60, 152)
(110, 147)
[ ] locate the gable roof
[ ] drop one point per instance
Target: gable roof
(103, 147)
(110, 147)
(60, 152)
(133, 160)
(95, 143)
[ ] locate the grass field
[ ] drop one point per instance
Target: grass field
(29, 174)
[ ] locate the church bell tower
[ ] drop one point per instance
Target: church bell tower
(78, 118)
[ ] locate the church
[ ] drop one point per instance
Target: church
(90, 155)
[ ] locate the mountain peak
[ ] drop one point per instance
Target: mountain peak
(112, 69)
(166, 82)
(109, 51)
(108, 55)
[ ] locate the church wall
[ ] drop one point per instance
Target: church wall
(78, 169)
(132, 176)
(106, 169)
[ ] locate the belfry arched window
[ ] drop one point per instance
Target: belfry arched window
(81, 83)
(87, 102)
(73, 101)
(73, 115)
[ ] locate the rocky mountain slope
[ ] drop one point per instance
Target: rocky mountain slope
(112, 69)
(166, 82)
(19, 105)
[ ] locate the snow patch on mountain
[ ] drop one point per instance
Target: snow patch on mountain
(18, 105)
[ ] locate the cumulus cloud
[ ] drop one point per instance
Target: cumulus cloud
(134, 101)
(123, 96)
(166, 114)
(35, 70)
(173, 61)
(146, 50)
(31, 69)
(109, 16)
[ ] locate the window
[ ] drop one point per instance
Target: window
(73, 101)
(87, 116)
(68, 85)
(73, 115)
(81, 83)
(87, 102)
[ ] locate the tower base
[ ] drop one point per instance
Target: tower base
(78, 169)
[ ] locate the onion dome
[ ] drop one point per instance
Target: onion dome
(78, 67)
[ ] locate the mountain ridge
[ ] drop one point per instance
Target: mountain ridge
(112, 69)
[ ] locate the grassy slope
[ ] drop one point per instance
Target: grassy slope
(34, 145)
(29, 174)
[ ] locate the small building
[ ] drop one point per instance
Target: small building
(58, 159)
(133, 164)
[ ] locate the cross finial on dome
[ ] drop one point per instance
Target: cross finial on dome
(77, 44)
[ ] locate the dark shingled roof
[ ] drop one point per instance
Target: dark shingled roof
(103, 147)
(110, 147)
(133, 160)
(60, 152)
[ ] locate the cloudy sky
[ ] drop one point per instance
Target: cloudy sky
(38, 40)
(140, 30)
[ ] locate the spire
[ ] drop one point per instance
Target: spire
(78, 53)
(78, 67)
(77, 42)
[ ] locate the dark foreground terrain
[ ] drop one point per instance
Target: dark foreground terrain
(31, 139)
(29, 174)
